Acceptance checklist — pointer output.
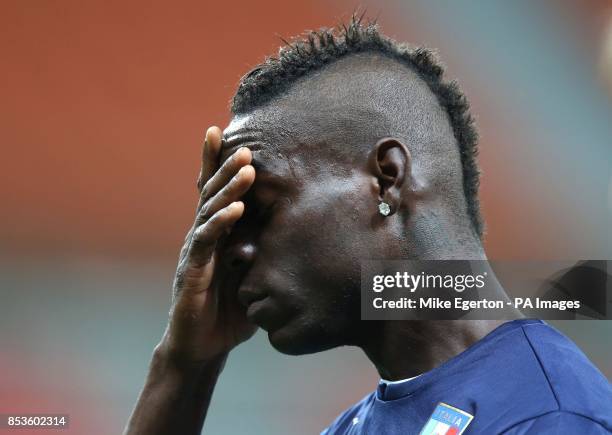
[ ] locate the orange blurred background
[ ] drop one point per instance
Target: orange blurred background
(105, 104)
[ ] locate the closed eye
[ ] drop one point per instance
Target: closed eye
(256, 209)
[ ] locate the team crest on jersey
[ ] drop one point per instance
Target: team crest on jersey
(446, 420)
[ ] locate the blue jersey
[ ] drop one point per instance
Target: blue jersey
(523, 378)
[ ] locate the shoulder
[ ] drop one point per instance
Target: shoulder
(579, 389)
(347, 418)
(557, 422)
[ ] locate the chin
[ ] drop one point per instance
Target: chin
(296, 339)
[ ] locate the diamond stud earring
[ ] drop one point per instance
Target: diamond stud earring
(384, 209)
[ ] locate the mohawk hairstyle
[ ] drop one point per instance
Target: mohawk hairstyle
(316, 49)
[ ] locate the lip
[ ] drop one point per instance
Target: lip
(261, 309)
(263, 313)
(255, 307)
(248, 296)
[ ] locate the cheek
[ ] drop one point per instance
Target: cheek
(329, 226)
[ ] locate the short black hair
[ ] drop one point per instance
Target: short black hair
(316, 49)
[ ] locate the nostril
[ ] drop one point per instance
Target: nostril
(235, 263)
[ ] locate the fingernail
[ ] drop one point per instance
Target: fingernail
(206, 136)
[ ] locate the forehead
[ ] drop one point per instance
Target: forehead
(278, 125)
(253, 128)
(289, 141)
(253, 132)
(272, 155)
(299, 128)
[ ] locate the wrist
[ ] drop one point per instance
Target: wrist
(175, 369)
(176, 395)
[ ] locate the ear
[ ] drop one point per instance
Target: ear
(391, 163)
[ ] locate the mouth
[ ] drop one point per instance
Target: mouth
(256, 312)
(261, 309)
(248, 296)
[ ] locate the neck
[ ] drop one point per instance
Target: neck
(408, 348)
(404, 349)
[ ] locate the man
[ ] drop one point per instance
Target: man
(361, 151)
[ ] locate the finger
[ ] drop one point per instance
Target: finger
(232, 191)
(196, 298)
(210, 155)
(230, 167)
(206, 235)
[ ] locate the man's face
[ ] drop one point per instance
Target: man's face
(309, 220)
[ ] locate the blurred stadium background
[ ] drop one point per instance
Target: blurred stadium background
(105, 104)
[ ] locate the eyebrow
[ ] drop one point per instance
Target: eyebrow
(261, 167)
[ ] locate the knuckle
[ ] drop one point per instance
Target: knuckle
(228, 165)
(231, 159)
(179, 281)
(184, 250)
(235, 181)
(189, 277)
(189, 316)
(200, 233)
(201, 180)
(203, 238)
(206, 212)
(205, 189)
(214, 220)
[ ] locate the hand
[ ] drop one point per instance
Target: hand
(206, 323)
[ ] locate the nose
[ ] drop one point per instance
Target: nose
(239, 256)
